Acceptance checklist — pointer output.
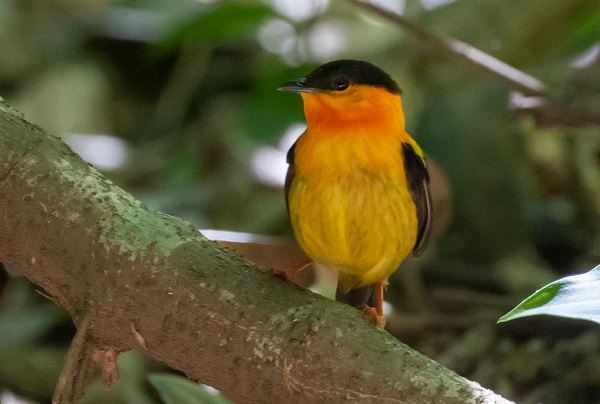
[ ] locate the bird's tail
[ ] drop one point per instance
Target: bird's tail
(358, 297)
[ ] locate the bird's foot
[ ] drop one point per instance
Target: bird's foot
(373, 316)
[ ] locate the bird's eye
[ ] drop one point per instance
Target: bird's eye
(340, 84)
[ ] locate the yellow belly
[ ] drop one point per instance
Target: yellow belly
(353, 212)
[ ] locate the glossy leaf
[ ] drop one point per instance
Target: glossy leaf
(575, 296)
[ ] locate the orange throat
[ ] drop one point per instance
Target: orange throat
(363, 109)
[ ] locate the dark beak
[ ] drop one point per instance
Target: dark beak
(297, 86)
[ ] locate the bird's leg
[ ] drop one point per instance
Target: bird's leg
(379, 298)
(379, 307)
(375, 314)
(292, 273)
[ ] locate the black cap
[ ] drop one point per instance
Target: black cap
(339, 75)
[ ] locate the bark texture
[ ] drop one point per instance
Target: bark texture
(132, 278)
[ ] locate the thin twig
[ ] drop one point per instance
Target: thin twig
(519, 80)
(78, 367)
(547, 115)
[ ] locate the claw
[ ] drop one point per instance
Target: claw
(373, 316)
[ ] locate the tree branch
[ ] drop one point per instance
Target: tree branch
(552, 114)
(519, 80)
(132, 278)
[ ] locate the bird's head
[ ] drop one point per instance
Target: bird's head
(348, 92)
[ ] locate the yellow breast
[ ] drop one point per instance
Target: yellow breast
(350, 205)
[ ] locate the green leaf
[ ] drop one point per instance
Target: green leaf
(177, 390)
(575, 296)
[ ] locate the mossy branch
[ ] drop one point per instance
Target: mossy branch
(136, 278)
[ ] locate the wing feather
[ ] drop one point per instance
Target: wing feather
(289, 176)
(418, 181)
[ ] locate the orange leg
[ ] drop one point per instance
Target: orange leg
(379, 298)
(375, 314)
(292, 273)
(380, 320)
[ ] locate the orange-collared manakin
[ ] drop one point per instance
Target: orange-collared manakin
(357, 187)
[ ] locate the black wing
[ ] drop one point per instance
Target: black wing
(290, 175)
(418, 181)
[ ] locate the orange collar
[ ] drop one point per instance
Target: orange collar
(360, 109)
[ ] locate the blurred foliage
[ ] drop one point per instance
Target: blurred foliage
(190, 87)
(178, 390)
(35, 334)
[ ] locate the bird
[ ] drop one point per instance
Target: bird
(357, 185)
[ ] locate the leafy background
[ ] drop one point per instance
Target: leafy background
(175, 101)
